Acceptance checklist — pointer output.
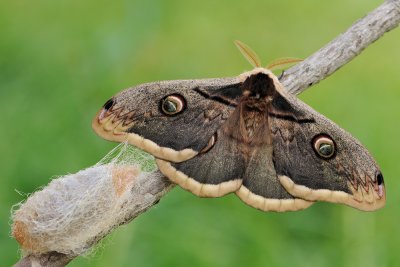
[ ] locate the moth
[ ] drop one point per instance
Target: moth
(245, 135)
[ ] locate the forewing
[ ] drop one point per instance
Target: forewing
(350, 177)
(135, 115)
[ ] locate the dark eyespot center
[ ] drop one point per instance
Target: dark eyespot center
(172, 104)
(324, 146)
(379, 178)
(326, 149)
(169, 106)
(108, 104)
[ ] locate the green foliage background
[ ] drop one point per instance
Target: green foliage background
(61, 60)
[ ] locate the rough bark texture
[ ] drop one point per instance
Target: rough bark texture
(342, 49)
(52, 259)
(296, 79)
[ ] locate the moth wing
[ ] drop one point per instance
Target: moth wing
(135, 115)
(213, 173)
(261, 188)
(350, 177)
(227, 167)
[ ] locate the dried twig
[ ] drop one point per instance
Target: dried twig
(344, 48)
(296, 79)
(52, 259)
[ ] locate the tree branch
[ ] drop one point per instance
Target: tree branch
(296, 79)
(342, 49)
(51, 259)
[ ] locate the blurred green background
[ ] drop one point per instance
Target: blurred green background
(61, 60)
